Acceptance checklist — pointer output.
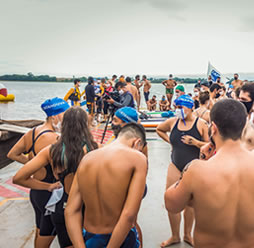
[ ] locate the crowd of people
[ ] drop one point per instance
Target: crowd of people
(89, 195)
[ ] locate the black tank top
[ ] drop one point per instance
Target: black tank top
(182, 153)
(49, 173)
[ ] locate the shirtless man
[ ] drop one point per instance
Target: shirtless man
(138, 86)
(220, 190)
(164, 104)
(170, 85)
(132, 89)
(237, 82)
(246, 97)
(152, 104)
(112, 81)
(109, 211)
(147, 87)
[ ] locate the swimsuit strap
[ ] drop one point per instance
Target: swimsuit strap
(203, 113)
(38, 136)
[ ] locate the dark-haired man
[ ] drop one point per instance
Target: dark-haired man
(237, 82)
(214, 94)
(74, 94)
(111, 188)
(138, 86)
(152, 104)
(246, 97)
(221, 189)
(132, 89)
(147, 87)
(170, 85)
(126, 98)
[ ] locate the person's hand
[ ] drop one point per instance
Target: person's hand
(111, 101)
(207, 151)
(189, 140)
(53, 186)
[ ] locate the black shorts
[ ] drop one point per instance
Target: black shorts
(146, 95)
(39, 199)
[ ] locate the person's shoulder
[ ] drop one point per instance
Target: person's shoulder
(202, 122)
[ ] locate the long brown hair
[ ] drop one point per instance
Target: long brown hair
(67, 152)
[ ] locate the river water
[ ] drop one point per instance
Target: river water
(30, 95)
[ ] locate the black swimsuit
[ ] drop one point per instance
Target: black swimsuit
(39, 198)
(182, 154)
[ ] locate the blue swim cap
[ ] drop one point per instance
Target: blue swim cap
(54, 106)
(127, 114)
(230, 86)
(184, 100)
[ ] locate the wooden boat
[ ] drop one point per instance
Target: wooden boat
(10, 133)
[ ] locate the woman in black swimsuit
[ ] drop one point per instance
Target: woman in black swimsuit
(187, 134)
(30, 144)
(63, 158)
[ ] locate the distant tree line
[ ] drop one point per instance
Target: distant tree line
(46, 78)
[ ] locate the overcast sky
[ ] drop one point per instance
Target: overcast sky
(102, 37)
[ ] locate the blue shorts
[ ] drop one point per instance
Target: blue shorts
(101, 240)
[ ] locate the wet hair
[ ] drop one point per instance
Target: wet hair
(134, 130)
(75, 134)
(76, 81)
(137, 76)
(230, 117)
(128, 80)
(237, 91)
(90, 80)
(215, 87)
(144, 76)
(249, 87)
(203, 97)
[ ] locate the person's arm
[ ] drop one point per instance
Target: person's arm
(180, 194)
(189, 140)
(17, 151)
(132, 203)
(24, 176)
(164, 82)
(68, 94)
(73, 215)
(165, 127)
(124, 103)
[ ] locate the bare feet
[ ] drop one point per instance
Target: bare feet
(189, 240)
(171, 241)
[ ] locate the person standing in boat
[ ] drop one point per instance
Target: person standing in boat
(32, 143)
(74, 94)
(187, 134)
(64, 157)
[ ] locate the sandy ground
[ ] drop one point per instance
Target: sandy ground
(17, 217)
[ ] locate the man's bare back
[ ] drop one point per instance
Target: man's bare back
(228, 203)
(110, 182)
(133, 90)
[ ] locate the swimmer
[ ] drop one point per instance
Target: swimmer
(187, 134)
(214, 94)
(147, 87)
(111, 210)
(164, 104)
(221, 189)
(64, 158)
(203, 111)
(246, 97)
(138, 85)
(74, 94)
(170, 85)
(152, 104)
(132, 89)
(32, 143)
(237, 82)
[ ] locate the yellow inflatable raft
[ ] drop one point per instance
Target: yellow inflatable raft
(8, 98)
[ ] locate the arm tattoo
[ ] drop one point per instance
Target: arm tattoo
(181, 177)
